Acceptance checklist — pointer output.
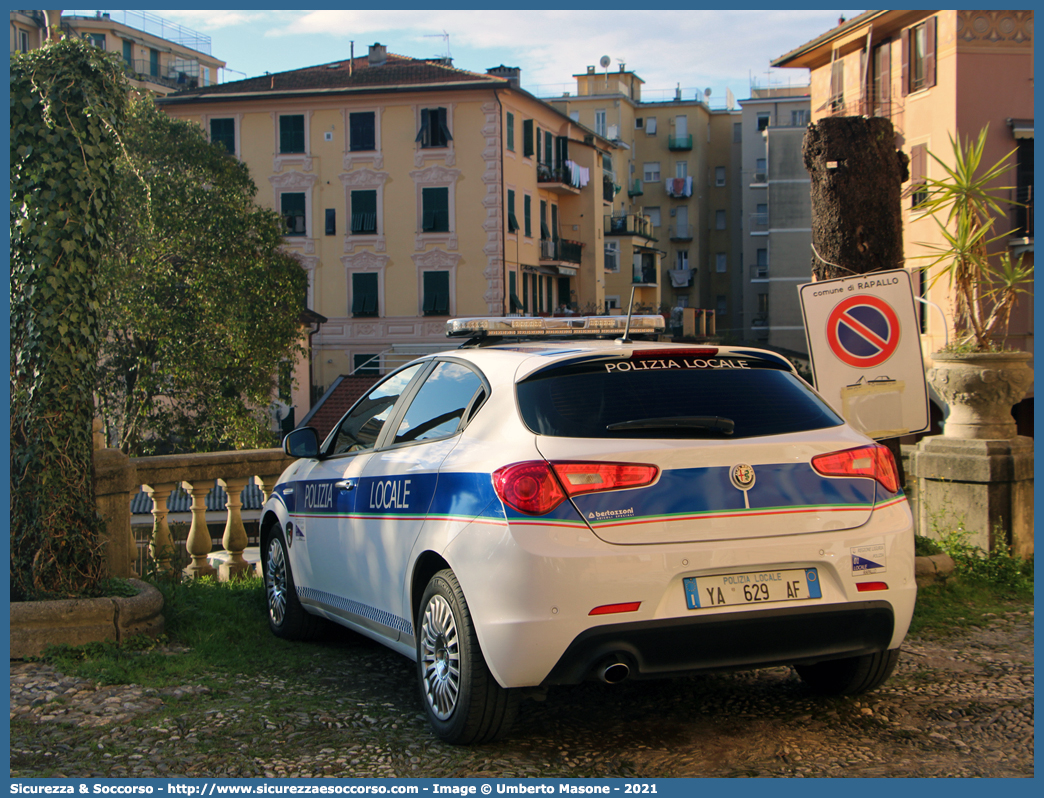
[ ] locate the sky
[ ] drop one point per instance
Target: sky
(694, 49)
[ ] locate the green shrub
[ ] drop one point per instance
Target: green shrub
(998, 567)
(926, 547)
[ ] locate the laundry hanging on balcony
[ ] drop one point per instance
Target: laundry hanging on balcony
(679, 186)
(579, 175)
(680, 278)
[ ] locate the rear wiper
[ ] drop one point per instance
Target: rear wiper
(711, 423)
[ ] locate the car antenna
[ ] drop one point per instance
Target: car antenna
(627, 327)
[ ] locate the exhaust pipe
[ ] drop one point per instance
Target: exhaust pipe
(614, 673)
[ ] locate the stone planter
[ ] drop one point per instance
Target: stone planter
(981, 388)
(37, 624)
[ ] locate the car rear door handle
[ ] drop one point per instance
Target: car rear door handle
(345, 484)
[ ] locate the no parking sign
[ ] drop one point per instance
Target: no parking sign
(864, 343)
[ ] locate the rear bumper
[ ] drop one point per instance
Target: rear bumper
(728, 641)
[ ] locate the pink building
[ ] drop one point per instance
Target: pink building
(938, 74)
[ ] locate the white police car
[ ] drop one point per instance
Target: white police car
(522, 512)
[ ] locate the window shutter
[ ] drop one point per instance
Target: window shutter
(527, 212)
(885, 60)
(510, 125)
(539, 143)
(443, 129)
(904, 81)
(512, 221)
(563, 149)
(527, 138)
(331, 222)
(548, 150)
(422, 134)
(929, 52)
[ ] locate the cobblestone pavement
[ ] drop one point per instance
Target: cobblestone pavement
(959, 706)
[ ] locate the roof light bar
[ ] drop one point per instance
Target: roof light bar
(530, 326)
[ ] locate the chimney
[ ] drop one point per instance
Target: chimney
(378, 55)
(512, 74)
(590, 70)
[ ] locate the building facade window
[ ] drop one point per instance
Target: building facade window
(364, 212)
(509, 130)
(681, 169)
(721, 262)
(527, 213)
(97, 39)
(436, 293)
(600, 127)
(682, 259)
(763, 121)
(719, 220)
(651, 172)
(154, 63)
(762, 263)
(435, 210)
(612, 256)
(292, 207)
(23, 43)
(366, 365)
(881, 85)
(291, 133)
(362, 131)
(364, 294)
(719, 176)
(331, 221)
(721, 305)
(737, 132)
(918, 175)
(650, 125)
(763, 304)
(918, 56)
(837, 84)
(654, 216)
(223, 131)
(434, 128)
(128, 52)
(799, 118)
(527, 138)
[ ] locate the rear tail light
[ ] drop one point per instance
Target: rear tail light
(873, 461)
(537, 487)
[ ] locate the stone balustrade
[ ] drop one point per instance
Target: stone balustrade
(119, 477)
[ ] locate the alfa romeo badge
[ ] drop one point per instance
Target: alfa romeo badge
(742, 476)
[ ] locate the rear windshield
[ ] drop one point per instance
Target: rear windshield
(604, 400)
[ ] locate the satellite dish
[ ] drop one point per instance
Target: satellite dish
(707, 93)
(604, 61)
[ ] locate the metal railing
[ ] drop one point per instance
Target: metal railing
(679, 142)
(680, 232)
(759, 272)
(628, 224)
(759, 222)
(148, 22)
(636, 189)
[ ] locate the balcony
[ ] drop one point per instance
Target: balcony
(680, 232)
(678, 187)
(759, 223)
(644, 270)
(629, 225)
(185, 76)
(609, 187)
(636, 189)
(558, 179)
(759, 272)
(561, 250)
(679, 143)
(759, 179)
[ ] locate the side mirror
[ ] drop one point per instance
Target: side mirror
(303, 442)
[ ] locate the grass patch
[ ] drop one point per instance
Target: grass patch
(964, 602)
(222, 625)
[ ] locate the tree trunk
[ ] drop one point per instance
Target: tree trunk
(857, 176)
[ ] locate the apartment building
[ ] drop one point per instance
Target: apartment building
(412, 192)
(160, 56)
(673, 229)
(937, 74)
(777, 210)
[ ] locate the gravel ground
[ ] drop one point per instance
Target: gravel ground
(956, 707)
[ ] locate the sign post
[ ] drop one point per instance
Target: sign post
(864, 344)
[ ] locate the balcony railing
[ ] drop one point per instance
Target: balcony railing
(759, 272)
(628, 224)
(561, 250)
(561, 175)
(609, 188)
(680, 232)
(151, 23)
(636, 188)
(185, 76)
(759, 178)
(679, 142)
(119, 479)
(759, 222)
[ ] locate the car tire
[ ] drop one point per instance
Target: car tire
(463, 701)
(286, 617)
(850, 676)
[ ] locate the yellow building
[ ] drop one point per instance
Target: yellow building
(413, 192)
(160, 56)
(674, 229)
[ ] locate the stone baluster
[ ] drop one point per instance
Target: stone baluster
(161, 546)
(267, 484)
(235, 538)
(198, 544)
